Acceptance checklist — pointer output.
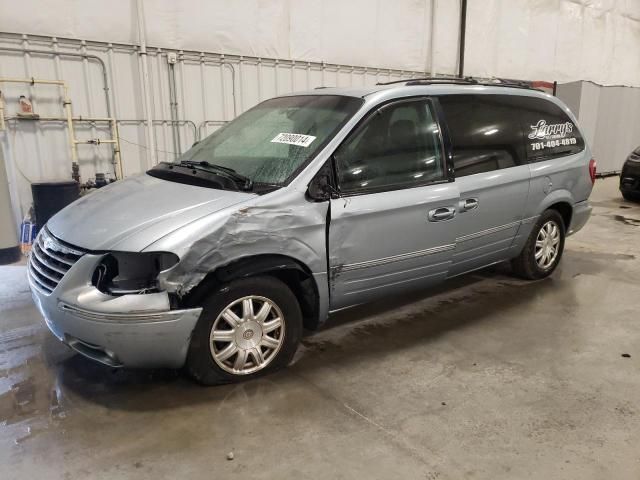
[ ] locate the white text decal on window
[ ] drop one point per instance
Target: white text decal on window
(294, 139)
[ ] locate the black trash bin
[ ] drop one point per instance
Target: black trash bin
(51, 197)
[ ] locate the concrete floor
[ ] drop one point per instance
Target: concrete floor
(488, 377)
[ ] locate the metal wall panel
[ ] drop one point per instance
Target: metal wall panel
(609, 118)
(211, 89)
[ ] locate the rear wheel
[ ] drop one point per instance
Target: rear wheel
(543, 250)
(248, 328)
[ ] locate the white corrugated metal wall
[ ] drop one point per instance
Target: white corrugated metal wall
(609, 118)
(104, 79)
(530, 39)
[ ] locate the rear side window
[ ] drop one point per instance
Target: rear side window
(549, 132)
(486, 132)
(398, 146)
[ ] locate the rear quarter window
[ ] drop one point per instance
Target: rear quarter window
(548, 130)
(486, 132)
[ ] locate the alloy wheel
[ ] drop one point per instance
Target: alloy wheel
(247, 335)
(547, 245)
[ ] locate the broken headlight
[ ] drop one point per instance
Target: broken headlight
(124, 273)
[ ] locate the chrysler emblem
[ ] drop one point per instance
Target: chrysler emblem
(248, 334)
(49, 244)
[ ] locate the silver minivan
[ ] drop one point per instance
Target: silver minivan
(306, 204)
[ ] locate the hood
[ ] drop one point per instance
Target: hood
(131, 214)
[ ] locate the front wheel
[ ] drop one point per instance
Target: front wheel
(543, 250)
(248, 328)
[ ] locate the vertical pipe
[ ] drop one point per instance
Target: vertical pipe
(117, 159)
(113, 107)
(233, 87)
(146, 86)
(2, 127)
(72, 137)
(259, 69)
(58, 69)
(203, 84)
(432, 39)
(112, 69)
(293, 75)
(39, 134)
(240, 84)
(463, 37)
(89, 92)
(173, 103)
(161, 102)
(183, 103)
(222, 92)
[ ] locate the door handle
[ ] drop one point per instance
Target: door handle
(440, 214)
(469, 204)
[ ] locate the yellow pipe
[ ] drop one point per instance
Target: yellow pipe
(66, 102)
(67, 107)
(69, 118)
(116, 152)
(1, 112)
(64, 119)
(31, 81)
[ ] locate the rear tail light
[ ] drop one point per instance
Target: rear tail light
(592, 170)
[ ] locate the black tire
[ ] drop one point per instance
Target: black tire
(525, 265)
(200, 362)
(630, 196)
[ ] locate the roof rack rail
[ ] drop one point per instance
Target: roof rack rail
(443, 79)
(498, 82)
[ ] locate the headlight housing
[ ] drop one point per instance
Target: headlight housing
(126, 273)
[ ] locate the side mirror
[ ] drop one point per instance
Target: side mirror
(320, 188)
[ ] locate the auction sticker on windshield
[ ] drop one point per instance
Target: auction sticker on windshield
(294, 139)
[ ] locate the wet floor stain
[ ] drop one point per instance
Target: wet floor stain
(42, 383)
(627, 221)
(611, 256)
(48, 395)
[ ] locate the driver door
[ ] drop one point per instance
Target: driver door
(393, 226)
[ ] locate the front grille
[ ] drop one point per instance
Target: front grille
(49, 260)
(631, 168)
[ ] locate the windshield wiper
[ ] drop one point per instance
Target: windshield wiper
(245, 183)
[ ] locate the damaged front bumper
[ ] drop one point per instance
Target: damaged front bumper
(129, 330)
